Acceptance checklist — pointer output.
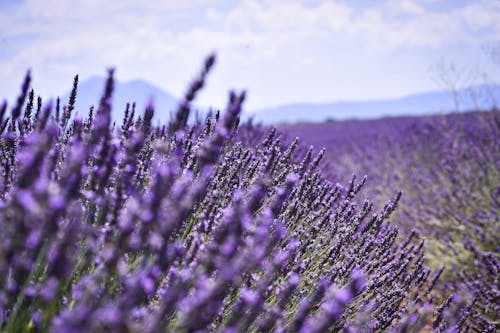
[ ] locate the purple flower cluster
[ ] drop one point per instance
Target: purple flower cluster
(449, 169)
(191, 227)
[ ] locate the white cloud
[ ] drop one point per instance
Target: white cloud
(404, 7)
(164, 38)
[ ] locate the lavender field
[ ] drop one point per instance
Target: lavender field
(448, 167)
(214, 225)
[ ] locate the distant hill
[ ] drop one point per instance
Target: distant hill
(138, 91)
(90, 90)
(418, 104)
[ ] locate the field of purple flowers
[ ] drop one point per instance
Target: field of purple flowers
(448, 168)
(216, 226)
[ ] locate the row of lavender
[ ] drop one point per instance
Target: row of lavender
(449, 170)
(180, 227)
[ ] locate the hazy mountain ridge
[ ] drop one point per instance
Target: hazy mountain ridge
(411, 105)
(140, 91)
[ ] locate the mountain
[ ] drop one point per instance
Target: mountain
(138, 91)
(478, 97)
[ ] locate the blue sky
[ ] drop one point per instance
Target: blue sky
(280, 51)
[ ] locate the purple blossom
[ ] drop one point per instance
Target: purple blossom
(213, 225)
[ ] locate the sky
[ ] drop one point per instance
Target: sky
(280, 51)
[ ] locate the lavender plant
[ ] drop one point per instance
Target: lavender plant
(448, 168)
(191, 227)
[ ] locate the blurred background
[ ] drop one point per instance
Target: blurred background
(299, 60)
